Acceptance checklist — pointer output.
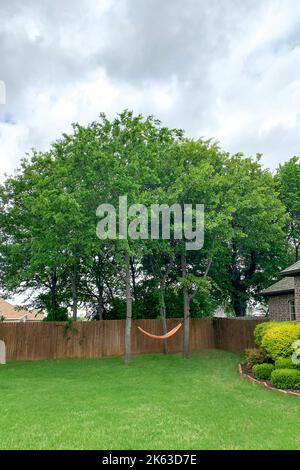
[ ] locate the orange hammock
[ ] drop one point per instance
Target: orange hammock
(165, 336)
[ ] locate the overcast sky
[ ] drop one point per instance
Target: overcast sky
(228, 69)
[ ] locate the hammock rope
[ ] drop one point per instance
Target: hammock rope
(167, 335)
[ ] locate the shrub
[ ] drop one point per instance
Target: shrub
(278, 338)
(255, 356)
(285, 363)
(286, 378)
(262, 371)
(260, 330)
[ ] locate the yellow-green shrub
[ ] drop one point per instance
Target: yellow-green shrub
(278, 338)
(261, 329)
(285, 363)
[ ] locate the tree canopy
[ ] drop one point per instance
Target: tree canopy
(49, 248)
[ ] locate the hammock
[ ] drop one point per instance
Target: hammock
(165, 336)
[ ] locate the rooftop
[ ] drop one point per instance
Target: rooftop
(292, 270)
(15, 313)
(284, 286)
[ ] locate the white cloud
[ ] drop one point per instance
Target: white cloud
(229, 70)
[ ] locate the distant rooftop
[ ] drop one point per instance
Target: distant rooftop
(284, 286)
(13, 313)
(292, 270)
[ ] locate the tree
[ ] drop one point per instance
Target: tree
(158, 263)
(257, 244)
(287, 181)
(138, 146)
(200, 181)
(48, 243)
(127, 354)
(31, 256)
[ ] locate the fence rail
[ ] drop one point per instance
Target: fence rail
(51, 340)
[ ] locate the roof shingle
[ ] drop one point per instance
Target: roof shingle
(291, 270)
(284, 286)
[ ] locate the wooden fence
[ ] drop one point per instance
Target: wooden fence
(51, 340)
(234, 334)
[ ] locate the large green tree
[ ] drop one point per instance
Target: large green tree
(288, 184)
(48, 220)
(257, 245)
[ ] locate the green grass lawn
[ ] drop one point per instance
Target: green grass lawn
(158, 402)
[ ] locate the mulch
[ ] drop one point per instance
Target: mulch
(245, 371)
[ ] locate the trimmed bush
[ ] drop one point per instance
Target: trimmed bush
(255, 356)
(262, 371)
(286, 378)
(260, 330)
(285, 363)
(278, 338)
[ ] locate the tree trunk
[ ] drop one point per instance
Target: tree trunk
(127, 355)
(186, 312)
(162, 304)
(54, 303)
(239, 289)
(133, 276)
(100, 303)
(162, 311)
(74, 293)
(99, 285)
(239, 303)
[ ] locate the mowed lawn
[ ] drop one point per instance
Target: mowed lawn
(158, 402)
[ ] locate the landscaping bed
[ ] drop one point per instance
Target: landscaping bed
(275, 362)
(246, 372)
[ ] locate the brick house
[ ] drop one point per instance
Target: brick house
(284, 295)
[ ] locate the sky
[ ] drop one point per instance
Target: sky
(222, 69)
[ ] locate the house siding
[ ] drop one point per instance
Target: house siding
(279, 306)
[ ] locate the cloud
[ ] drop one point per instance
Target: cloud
(228, 70)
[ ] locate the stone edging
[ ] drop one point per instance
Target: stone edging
(264, 384)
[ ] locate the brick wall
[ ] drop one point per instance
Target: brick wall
(297, 297)
(279, 306)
